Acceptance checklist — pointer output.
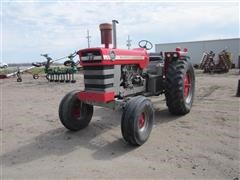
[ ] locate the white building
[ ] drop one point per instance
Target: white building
(196, 48)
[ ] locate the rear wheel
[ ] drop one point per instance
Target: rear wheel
(19, 79)
(137, 120)
(35, 76)
(180, 87)
(73, 113)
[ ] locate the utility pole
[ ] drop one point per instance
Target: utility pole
(129, 42)
(88, 38)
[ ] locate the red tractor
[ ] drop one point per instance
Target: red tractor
(123, 79)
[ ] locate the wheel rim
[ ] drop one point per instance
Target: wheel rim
(187, 87)
(142, 122)
(76, 111)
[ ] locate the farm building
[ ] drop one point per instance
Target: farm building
(196, 48)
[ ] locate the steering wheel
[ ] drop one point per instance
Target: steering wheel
(145, 44)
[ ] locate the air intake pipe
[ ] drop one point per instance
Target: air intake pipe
(107, 32)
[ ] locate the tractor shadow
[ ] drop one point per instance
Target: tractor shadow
(59, 142)
(119, 147)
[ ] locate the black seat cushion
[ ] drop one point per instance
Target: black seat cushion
(155, 56)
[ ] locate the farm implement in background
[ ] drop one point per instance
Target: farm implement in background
(58, 73)
(221, 64)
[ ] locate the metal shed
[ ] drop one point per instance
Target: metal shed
(196, 48)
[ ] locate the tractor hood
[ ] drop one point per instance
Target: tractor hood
(108, 56)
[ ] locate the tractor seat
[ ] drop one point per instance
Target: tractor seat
(155, 56)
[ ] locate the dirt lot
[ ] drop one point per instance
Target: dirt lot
(203, 144)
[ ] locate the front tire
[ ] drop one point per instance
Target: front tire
(180, 87)
(137, 120)
(73, 113)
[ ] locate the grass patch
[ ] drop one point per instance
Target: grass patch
(37, 70)
(7, 70)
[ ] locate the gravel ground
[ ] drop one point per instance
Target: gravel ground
(202, 144)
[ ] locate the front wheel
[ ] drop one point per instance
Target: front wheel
(73, 113)
(137, 120)
(180, 87)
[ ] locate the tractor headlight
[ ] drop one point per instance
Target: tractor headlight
(168, 55)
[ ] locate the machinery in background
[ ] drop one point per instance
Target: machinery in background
(221, 64)
(53, 74)
(3, 65)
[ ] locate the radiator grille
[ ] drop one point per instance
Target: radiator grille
(98, 78)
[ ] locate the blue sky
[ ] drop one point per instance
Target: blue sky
(59, 28)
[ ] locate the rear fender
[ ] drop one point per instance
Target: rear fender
(170, 57)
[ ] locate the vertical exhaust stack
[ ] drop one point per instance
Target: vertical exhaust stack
(106, 34)
(114, 22)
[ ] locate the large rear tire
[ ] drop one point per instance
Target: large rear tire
(73, 113)
(137, 120)
(180, 87)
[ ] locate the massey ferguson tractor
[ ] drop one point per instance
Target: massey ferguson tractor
(123, 79)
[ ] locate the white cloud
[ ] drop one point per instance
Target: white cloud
(61, 26)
